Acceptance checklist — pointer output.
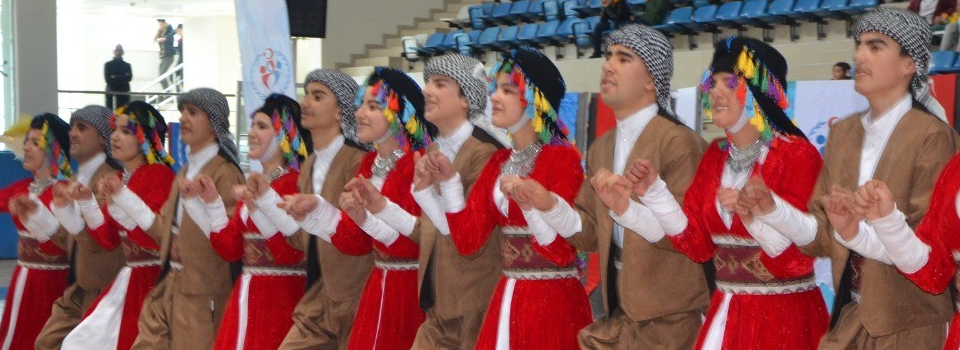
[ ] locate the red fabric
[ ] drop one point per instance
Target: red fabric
(943, 7)
(228, 242)
(40, 290)
(945, 90)
(152, 183)
(786, 321)
(953, 334)
(142, 280)
(269, 308)
(271, 299)
(349, 238)
(536, 321)
(605, 119)
(939, 231)
(389, 313)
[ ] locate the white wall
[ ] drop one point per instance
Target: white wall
(35, 56)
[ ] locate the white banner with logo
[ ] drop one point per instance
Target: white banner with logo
(265, 51)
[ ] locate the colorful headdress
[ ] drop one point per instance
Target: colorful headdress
(294, 142)
(150, 128)
(402, 103)
(759, 77)
(541, 89)
(55, 142)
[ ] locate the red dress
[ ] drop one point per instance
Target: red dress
(111, 321)
(773, 302)
(940, 229)
(389, 313)
(260, 309)
(39, 278)
(548, 305)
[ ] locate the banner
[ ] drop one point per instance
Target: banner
(816, 105)
(265, 51)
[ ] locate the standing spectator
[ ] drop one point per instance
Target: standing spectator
(841, 71)
(950, 32)
(179, 74)
(164, 39)
(117, 73)
(616, 10)
(933, 11)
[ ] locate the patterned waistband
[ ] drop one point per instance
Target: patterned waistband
(176, 266)
(541, 275)
(272, 271)
(145, 263)
(515, 230)
(397, 265)
(734, 241)
(42, 266)
(770, 288)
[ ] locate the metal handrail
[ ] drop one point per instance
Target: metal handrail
(162, 77)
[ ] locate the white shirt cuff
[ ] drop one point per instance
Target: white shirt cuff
(267, 229)
(542, 232)
(198, 213)
(665, 208)
(795, 225)
(771, 241)
(267, 203)
(429, 202)
(42, 224)
(216, 215)
(866, 243)
(397, 218)
(69, 217)
(322, 221)
(452, 194)
(91, 212)
(562, 218)
(121, 217)
(906, 250)
(135, 208)
(639, 219)
(379, 230)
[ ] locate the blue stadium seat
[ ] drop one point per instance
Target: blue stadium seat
(804, 9)
(590, 8)
(830, 8)
(551, 10)
(535, 10)
(565, 30)
(463, 44)
(675, 19)
(728, 13)
(476, 18)
(582, 35)
(488, 7)
(547, 31)
(942, 61)
(449, 41)
(488, 38)
(593, 21)
(636, 4)
(528, 34)
(520, 10)
(703, 18)
(779, 11)
(432, 45)
(567, 9)
(501, 13)
(751, 11)
(859, 6)
(508, 37)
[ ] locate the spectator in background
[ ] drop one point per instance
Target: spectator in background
(933, 11)
(179, 74)
(841, 71)
(950, 32)
(117, 73)
(616, 10)
(164, 39)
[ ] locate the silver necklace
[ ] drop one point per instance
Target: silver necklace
(126, 176)
(382, 166)
(38, 186)
(744, 159)
(276, 173)
(521, 162)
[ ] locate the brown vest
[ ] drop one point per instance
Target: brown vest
(920, 146)
(452, 284)
(656, 279)
(343, 275)
(204, 272)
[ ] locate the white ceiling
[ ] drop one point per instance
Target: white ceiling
(148, 8)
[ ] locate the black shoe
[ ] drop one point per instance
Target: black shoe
(596, 55)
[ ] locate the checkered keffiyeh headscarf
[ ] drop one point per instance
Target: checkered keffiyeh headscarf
(345, 89)
(213, 103)
(468, 72)
(912, 33)
(99, 118)
(656, 52)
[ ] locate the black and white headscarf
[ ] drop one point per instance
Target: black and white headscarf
(656, 52)
(345, 89)
(471, 76)
(912, 33)
(215, 105)
(99, 118)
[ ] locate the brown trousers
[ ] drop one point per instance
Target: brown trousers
(66, 314)
(321, 323)
(173, 320)
(619, 332)
(457, 333)
(850, 334)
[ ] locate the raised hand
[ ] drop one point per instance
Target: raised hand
(24, 207)
(874, 199)
(442, 165)
(532, 193)
(352, 204)
(422, 177)
(61, 194)
(257, 184)
(642, 175)
(188, 188)
(110, 186)
(206, 188)
(757, 197)
(80, 192)
(369, 195)
(839, 206)
(299, 205)
(613, 190)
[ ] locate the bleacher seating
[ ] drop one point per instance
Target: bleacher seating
(943, 62)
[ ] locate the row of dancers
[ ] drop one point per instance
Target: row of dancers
(390, 217)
